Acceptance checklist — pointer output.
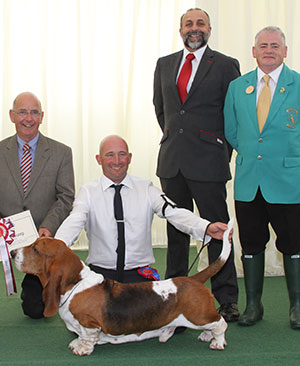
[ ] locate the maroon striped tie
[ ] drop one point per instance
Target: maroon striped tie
(26, 164)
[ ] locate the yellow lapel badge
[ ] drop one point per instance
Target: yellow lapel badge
(250, 89)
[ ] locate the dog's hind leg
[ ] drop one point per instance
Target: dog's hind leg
(215, 335)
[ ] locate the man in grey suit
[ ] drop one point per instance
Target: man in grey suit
(50, 191)
(193, 161)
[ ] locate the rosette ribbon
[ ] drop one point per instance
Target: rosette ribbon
(7, 234)
(149, 272)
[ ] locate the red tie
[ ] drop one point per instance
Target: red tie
(26, 163)
(184, 76)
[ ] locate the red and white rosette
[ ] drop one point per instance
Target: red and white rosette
(7, 234)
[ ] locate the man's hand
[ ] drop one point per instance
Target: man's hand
(216, 230)
(44, 232)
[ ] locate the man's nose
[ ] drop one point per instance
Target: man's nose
(28, 115)
(116, 160)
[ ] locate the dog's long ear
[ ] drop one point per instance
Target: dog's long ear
(51, 292)
(59, 270)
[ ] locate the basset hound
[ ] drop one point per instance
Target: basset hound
(104, 311)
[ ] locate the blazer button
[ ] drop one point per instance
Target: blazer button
(260, 140)
(181, 130)
(182, 112)
(259, 157)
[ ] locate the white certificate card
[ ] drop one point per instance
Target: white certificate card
(25, 230)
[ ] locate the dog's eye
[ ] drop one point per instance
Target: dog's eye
(35, 250)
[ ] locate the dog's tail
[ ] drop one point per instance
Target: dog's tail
(215, 267)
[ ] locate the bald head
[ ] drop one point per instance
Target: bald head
(114, 158)
(26, 95)
(112, 139)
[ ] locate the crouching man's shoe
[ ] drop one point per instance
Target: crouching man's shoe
(229, 312)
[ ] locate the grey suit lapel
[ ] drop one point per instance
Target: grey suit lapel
(42, 155)
(203, 68)
(174, 66)
(12, 160)
(176, 62)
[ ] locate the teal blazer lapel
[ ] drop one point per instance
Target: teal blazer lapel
(251, 93)
(282, 92)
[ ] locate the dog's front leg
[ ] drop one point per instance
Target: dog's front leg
(84, 344)
(166, 334)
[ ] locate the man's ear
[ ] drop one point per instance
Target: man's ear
(98, 158)
(12, 115)
(129, 159)
(42, 116)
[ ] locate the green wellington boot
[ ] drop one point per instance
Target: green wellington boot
(292, 276)
(254, 267)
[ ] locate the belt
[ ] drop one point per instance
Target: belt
(110, 269)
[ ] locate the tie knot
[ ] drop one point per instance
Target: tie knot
(117, 187)
(26, 147)
(266, 79)
(190, 56)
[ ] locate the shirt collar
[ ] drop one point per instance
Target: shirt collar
(274, 74)
(32, 143)
(198, 54)
(107, 183)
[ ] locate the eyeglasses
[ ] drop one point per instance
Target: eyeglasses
(24, 112)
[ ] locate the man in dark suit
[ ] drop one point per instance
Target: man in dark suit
(193, 161)
(50, 191)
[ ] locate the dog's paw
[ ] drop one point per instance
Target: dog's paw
(166, 334)
(81, 347)
(218, 344)
(205, 336)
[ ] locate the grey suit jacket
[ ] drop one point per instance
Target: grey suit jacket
(193, 132)
(50, 192)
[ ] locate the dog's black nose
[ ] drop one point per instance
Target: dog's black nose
(13, 253)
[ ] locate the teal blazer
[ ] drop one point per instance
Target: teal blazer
(270, 159)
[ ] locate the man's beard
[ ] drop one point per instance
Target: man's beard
(195, 45)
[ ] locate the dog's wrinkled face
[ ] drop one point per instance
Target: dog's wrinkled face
(30, 265)
(47, 258)
(34, 258)
(44, 257)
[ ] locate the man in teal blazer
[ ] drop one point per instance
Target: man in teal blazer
(50, 192)
(267, 176)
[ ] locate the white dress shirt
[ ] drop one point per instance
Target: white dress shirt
(93, 210)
